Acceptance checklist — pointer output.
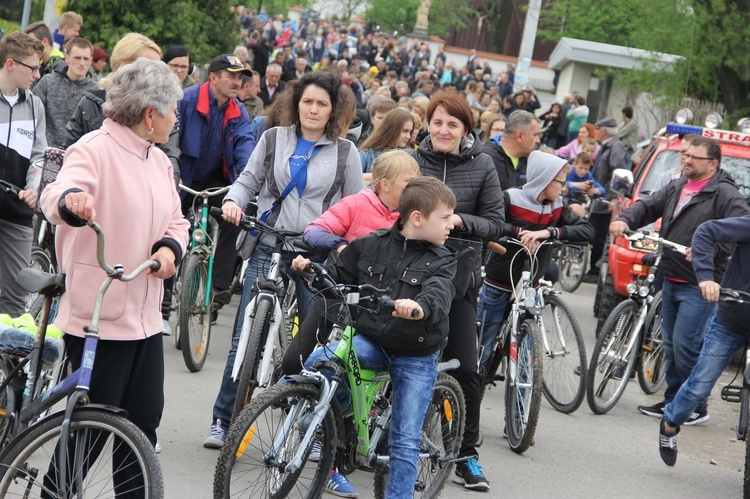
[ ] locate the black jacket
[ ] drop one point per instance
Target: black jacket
(611, 156)
(720, 198)
(413, 269)
(89, 116)
(263, 94)
(508, 175)
(472, 177)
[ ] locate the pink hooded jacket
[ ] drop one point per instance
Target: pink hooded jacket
(138, 209)
(350, 218)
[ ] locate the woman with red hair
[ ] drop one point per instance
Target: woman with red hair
(573, 148)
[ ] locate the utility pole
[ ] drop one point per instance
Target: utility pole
(527, 43)
(26, 14)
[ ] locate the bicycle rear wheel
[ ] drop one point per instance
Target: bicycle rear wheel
(612, 362)
(195, 315)
(250, 465)
(652, 365)
(255, 343)
(523, 393)
(100, 442)
(573, 261)
(564, 380)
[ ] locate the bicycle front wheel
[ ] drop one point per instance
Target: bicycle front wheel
(573, 262)
(107, 456)
(256, 340)
(563, 383)
(523, 392)
(265, 437)
(652, 365)
(195, 314)
(612, 362)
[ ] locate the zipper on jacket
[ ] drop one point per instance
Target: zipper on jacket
(400, 259)
(10, 123)
(445, 167)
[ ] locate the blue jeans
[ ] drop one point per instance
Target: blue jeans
(412, 380)
(719, 346)
(685, 316)
(256, 270)
(493, 303)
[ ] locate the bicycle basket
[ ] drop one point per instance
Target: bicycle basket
(51, 163)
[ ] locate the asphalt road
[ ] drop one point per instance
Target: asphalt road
(579, 455)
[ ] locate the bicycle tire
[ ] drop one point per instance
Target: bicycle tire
(259, 328)
(652, 363)
(93, 432)
(195, 316)
(522, 403)
(242, 469)
(746, 476)
(40, 260)
(564, 380)
(573, 263)
(607, 367)
(444, 427)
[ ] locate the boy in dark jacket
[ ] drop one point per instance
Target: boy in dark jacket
(533, 213)
(727, 331)
(409, 259)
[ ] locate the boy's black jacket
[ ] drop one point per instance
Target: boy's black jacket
(413, 269)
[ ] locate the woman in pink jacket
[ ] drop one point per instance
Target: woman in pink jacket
(116, 177)
(574, 147)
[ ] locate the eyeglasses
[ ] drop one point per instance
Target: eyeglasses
(177, 67)
(33, 69)
(561, 182)
(687, 156)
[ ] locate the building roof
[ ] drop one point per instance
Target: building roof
(603, 54)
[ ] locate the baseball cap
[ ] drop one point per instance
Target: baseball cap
(230, 63)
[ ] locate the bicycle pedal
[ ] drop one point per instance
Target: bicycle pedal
(731, 393)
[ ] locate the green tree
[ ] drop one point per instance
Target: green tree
(713, 37)
(205, 27)
(402, 16)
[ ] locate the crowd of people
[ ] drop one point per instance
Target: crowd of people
(363, 141)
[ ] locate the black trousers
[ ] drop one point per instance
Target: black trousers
(314, 329)
(463, 344)
(601, 222)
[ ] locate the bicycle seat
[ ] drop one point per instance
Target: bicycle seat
(20, 343)
(36, 281)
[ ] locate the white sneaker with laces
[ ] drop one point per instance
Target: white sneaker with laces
(216, 439)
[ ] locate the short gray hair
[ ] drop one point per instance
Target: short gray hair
(139, 85)
(611, 130)
(519, 120)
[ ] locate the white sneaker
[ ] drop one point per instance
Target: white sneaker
(157, 448)
(167, 329)
(216, 439)
(315, 452)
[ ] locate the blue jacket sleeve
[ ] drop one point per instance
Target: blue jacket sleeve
(321, 239)
(708, 234)
(244, 144)
(590, 176)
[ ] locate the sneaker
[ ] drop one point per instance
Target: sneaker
(667, 444)
(469, 473)
(315, 452)
(222, 297)
(157, 447)
(339, 485)
(167, 329)
(656, 410)
(697, 418)
(591, 278)
(216, 439)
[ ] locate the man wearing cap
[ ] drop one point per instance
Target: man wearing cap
(216, 143)
(611, 156)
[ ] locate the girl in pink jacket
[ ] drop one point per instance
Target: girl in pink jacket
(372, 208)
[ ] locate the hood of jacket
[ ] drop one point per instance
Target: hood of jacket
(471, 146)
(355, 130)
(541, 170)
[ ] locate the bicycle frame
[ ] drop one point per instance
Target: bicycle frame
(199, 242)
(76, 385)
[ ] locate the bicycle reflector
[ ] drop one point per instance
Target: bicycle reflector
(199, 236)
(448, 410)
(246, 441)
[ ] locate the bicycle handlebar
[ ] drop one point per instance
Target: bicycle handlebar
(318, 278)
(252, 223)
(735, 295)
(117, 271)
(206, 193)
(9, 188)
(639, 235)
